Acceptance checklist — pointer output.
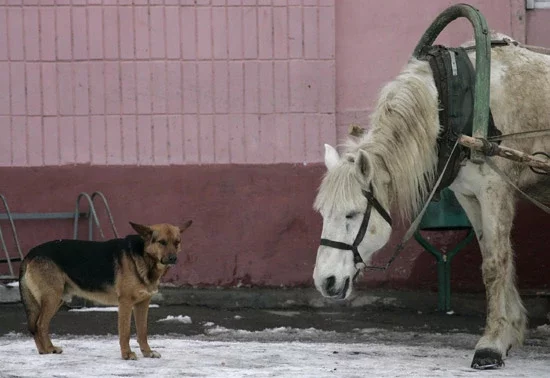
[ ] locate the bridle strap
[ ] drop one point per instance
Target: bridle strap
(345, 247)
(372, 202)
(357, 259)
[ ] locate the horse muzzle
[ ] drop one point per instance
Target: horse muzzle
(329, 288)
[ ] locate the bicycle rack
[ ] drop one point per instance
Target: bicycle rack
(9, 259)
(77, 302)
(91, 215)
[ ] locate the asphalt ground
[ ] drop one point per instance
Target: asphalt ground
(12, 320)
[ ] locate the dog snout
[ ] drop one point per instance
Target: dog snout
(172, 258)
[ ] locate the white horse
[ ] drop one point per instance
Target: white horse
(393, 166)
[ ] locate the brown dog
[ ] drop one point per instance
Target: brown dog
(125, 271)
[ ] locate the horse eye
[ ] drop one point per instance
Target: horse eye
(351, 215)
(163, 242)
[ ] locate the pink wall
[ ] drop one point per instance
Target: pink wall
(159, 82)
(538, 27)
(374, 43)
(207, 81)
(154, 82)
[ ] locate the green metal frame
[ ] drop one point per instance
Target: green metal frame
(483, 62)
(444, 215)
(444, 267)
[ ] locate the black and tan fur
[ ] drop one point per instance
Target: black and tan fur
(124, 272)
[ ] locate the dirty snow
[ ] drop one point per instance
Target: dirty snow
(274, 352)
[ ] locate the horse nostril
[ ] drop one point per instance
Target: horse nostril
(329, 284)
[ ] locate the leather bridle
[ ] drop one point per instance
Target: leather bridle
(371, 202)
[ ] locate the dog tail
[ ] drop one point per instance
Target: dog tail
(30, 303)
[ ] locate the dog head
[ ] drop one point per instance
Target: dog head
(162, 241)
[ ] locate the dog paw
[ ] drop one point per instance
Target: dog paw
(53, 349)
(129, 356)
(151, 354)
(487, 359)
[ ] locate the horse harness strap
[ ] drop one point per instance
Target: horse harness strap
(371, 202)
(454, 77)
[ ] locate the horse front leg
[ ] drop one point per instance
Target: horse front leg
(506, 316)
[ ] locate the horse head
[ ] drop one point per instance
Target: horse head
(355, 220)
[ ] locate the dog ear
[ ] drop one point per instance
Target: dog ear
(144, 231)
(186, 226)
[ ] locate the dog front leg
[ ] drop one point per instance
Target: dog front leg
(124, 319)
(141, 310)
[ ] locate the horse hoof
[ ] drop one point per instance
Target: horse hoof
(487, 359)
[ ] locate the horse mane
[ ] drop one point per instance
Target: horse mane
(401, 141)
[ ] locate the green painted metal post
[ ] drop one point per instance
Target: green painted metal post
(443, 267)
(444, 215)
(483, 62)
(449, 257)
(441, 281)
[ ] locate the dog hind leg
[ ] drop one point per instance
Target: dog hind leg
(32, 308)
(46, 283)
(49, 308)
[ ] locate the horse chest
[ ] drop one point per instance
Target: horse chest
(468, 179)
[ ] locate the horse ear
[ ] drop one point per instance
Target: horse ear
(364, 166)
(331, 156)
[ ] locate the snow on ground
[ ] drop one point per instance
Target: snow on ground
(177, 319)
(276, 352)
(103, 309)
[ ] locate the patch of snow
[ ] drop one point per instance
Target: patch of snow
(284, 313)
(13, 284)
(216, 330)
(543, 329)
(103, 309)
(238, 317)
(177, 319)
